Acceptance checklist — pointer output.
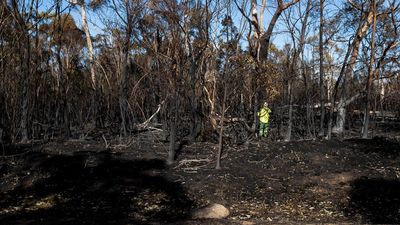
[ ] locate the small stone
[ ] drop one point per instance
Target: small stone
(213, 211)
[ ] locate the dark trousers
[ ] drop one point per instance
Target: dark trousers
(263, 131)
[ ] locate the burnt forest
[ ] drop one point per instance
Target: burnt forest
(198, 112)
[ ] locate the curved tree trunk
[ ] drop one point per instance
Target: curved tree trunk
(361, 32)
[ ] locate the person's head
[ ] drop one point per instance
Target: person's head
(265, 104)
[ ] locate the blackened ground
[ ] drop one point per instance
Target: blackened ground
(91, 188)
(313, 181)
(377, 199)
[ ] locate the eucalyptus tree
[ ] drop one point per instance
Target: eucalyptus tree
(124, 16)
(67, 43)
(260, 50)
(19, 25)
(361, 17)
(388, 41)
(321, 67)
(228, 42)
(298, 49)
(22, 14)
(83, 13)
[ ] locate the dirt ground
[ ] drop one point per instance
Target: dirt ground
(127, 182)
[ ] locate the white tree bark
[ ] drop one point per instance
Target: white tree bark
(89, 43)
(355, 46)
(370, 74)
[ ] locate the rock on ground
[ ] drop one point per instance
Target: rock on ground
(213, 211)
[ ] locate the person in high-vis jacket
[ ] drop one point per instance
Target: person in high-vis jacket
(263, 114)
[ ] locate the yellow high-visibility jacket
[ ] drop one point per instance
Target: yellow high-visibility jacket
(264, 114)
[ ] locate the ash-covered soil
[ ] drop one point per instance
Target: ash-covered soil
(127, 182)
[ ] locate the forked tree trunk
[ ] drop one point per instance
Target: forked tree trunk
(265, 39)
(334, 97)
(361, 32)
(262, 42)
(341, 114)
(370, 74)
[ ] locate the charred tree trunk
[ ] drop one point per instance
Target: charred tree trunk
(256, 56)
(321, 68)
(335, 94)
(67, 113)
(370, 73)
(293, 66)
(24, 46)
(173, 128)
(25, 86)
(195, 125)
(266, 37)
(290, 112)
(221, 130)
(364, 25)
(123, 86)
(123, 96)
(63, 104)
(261, 47)
(308, 96)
